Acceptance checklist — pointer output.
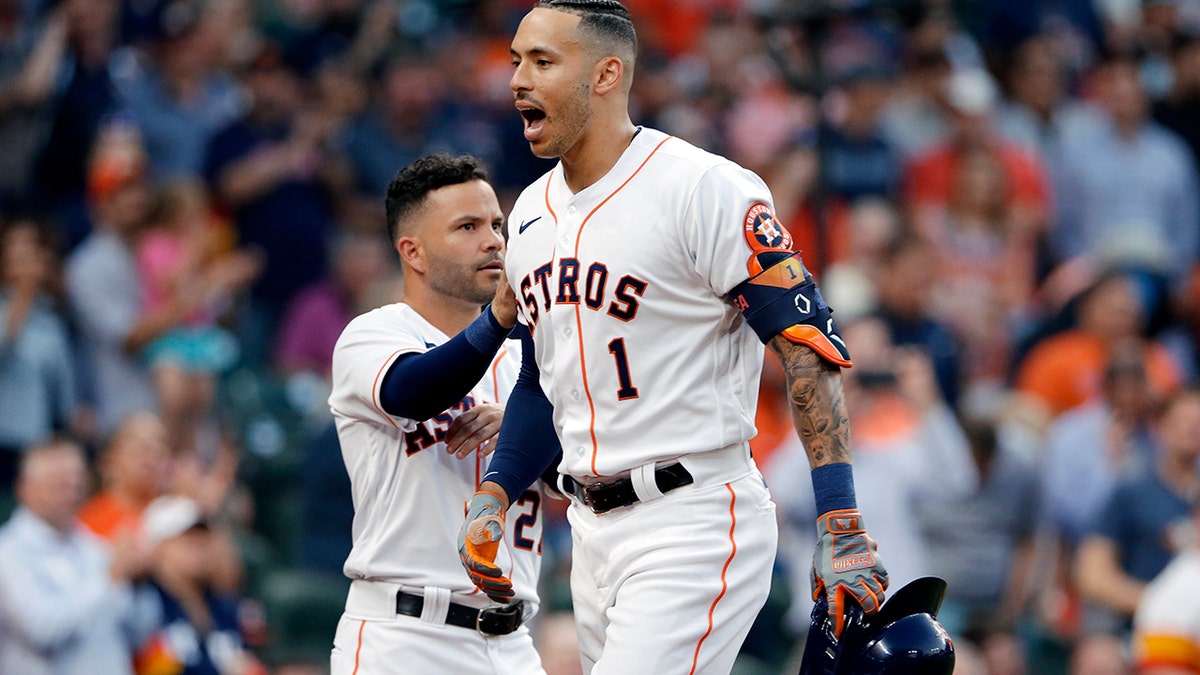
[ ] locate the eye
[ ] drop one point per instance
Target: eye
(542, 63)
(498, 225)
(468, 226)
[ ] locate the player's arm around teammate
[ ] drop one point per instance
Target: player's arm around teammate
(419, 386)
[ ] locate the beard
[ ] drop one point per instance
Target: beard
(456, 279)
(575, 113)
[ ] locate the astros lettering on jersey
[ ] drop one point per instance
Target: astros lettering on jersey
(609, 306)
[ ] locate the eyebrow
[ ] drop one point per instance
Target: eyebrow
(535, 51)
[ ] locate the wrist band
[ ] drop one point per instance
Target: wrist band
(485, 333)
(833, 487)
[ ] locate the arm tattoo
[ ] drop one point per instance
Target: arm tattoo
(814, 388)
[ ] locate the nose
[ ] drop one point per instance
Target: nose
(495, 242)
(520, 78)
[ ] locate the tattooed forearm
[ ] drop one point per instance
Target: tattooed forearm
(817, 401)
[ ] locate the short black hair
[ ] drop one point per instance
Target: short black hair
(607, 20)
(424, 175)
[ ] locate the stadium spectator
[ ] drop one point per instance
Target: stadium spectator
(1129, 193)
(1090, 447)
(409, 118)
(82, 102)
(1166, 637)
(982, 544)
(903, 301)
(932, 177)
(861, 162)
(918, 116)
(985, 257)
(187, 253)
(134, 469)
(66, 604)
(1039, 112)
(274, 171)
(1064, 370)
(1131, 541)
(37, 367)
(173, 92)
(1179, 110)
(32, 49)
(850, 281)
(196, 576)
(105, 291)
(316, 316)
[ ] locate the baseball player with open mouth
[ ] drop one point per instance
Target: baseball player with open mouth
(649, 274)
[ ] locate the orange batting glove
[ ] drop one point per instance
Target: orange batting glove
(479, 540)
(846, 563)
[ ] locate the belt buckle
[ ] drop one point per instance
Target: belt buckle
(513, 608)
(586, 493)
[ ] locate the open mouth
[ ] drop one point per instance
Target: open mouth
(535, 121)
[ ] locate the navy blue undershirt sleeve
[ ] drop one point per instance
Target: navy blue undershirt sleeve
(420, 385)
(528, 446)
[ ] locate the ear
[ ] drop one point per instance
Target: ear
(412, 253)
(609, 75)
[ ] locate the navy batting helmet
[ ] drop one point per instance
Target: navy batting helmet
(903, 638)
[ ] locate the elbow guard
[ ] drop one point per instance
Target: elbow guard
(784, 300)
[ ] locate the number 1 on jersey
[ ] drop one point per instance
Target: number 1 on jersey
(627, 390)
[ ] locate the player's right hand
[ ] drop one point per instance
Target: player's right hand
(504, 304)
(846, 563)
(479, 540)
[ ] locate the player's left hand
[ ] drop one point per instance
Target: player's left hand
(473, 429)
(846, 564)
(479, 540)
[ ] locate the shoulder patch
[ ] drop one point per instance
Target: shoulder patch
(763, 231)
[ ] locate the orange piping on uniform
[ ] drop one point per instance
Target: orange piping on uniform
(549, 208)
(358, 649)
(375, 388)
(578, 319)
(724, 582)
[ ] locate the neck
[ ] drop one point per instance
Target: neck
(449, 315)
(596, 153)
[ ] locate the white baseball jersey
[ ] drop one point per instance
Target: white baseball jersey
(1166, 627)
(409, 494)
(624, 287)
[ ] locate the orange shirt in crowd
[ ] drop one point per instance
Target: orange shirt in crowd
(1067, 370)
(931, 178)
(106, 515)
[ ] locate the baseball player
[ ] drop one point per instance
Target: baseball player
(1166, 626)
(646, 272)
(411, 405)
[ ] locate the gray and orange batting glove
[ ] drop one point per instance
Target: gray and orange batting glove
(479, 540)
(846, 564)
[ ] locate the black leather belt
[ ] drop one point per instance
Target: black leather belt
(488, 621)
(601, 497)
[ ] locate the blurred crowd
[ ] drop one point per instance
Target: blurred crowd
(1001, 201)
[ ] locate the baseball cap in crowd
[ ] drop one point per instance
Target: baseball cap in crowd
(170, 516)
(971, 91)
